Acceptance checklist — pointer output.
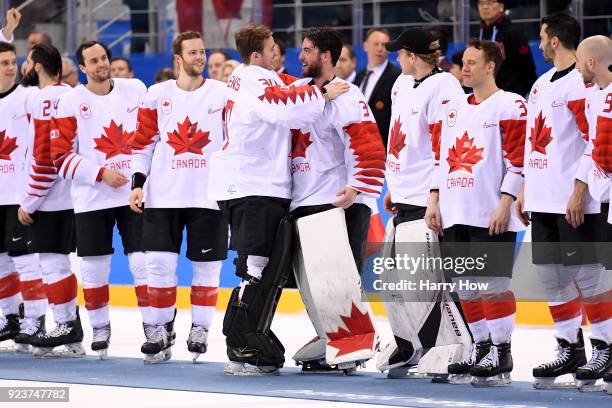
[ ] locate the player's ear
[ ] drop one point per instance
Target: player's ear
(82, 68)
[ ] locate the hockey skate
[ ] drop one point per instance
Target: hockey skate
(399, 363)
(494, 369)
(101, 341)
(312, 359)
(608, 382)
(157, 348)
(249, 370)
(600, 363)
(569, 358)
(63, 341)
(28, 328)
(197, 341)
(459, 373)
(9, 329)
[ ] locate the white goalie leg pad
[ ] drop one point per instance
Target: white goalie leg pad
(330, 287)
(412, 313)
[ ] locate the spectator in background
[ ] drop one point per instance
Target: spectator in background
(278, 62)
(377, 79)
(70, 76)
(345, 67)
(216, 59)
(38, 37)
(12, 22)
(517, 73)
(456, 67)
(228, 68)
(164, 75)
(440, 35)
(121, 68)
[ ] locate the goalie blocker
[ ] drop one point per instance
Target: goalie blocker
(328, 280)
(428, 330)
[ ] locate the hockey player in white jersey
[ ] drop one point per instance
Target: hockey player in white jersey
(250, 178)
(179, 125)
(477, 180)
(91, 129)
(593, 58)
(337, 164)
(46, 208)
(13, 16)
(565, 219)
(19, 270)
(418, 97)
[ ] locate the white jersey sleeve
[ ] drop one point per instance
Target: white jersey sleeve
(146, 135)
(3, 38)
(513, 128)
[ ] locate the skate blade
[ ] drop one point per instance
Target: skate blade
(439, 378)
(67, 350)
(22, 348)
(404, 373)
(459, 379)
(7, 347)
(608, 388)
(551, 384)
(103, 354)
(194, 357)
(499, 380)
(158, 358)
(589, 386)
(241, 370)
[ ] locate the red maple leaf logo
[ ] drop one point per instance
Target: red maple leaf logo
(359, 336)
(396, 144)
(451, 115)
(299, 143)
(114, 142)
(7, 145)
(276, 94)
(540, 135)
(188, 138)
(226, 9)
(464, 155)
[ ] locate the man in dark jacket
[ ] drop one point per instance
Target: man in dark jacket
(517, 73)
(377, 79)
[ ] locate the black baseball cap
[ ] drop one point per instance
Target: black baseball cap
(415, 40)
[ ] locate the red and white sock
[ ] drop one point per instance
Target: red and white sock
(94, 275)
(500, 312)
(204, 289)
(60, 286)
(10, 296)
(138, 267)
(475, 318)
(599, 312)
(162, 282)
(32, 287)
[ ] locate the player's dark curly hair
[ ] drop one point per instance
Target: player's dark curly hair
(326, 39)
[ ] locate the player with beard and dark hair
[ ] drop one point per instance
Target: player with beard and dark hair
(15, 261)
(565, 219)
(337, 165)
(179, 125)
(46, 208)
(90, 129)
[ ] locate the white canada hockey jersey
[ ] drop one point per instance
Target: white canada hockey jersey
(4, 39)
(414, 134)
(44, 191)
(599, 114)
(342, 148)
(481, 156)
(177, 132)
(260, 110)
(557, 135)
(90, 133)
(15, 143)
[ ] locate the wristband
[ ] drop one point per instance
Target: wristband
(138, 180)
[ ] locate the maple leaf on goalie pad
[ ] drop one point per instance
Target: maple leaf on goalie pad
(540, 135)
(188, 138)
(464, 155)
(114, 142)
(358, 335)
(7, 146)
(397, 142)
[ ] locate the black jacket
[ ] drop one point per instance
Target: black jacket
(517, 73)
(380, 100)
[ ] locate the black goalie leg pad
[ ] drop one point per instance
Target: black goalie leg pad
(247, 321)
